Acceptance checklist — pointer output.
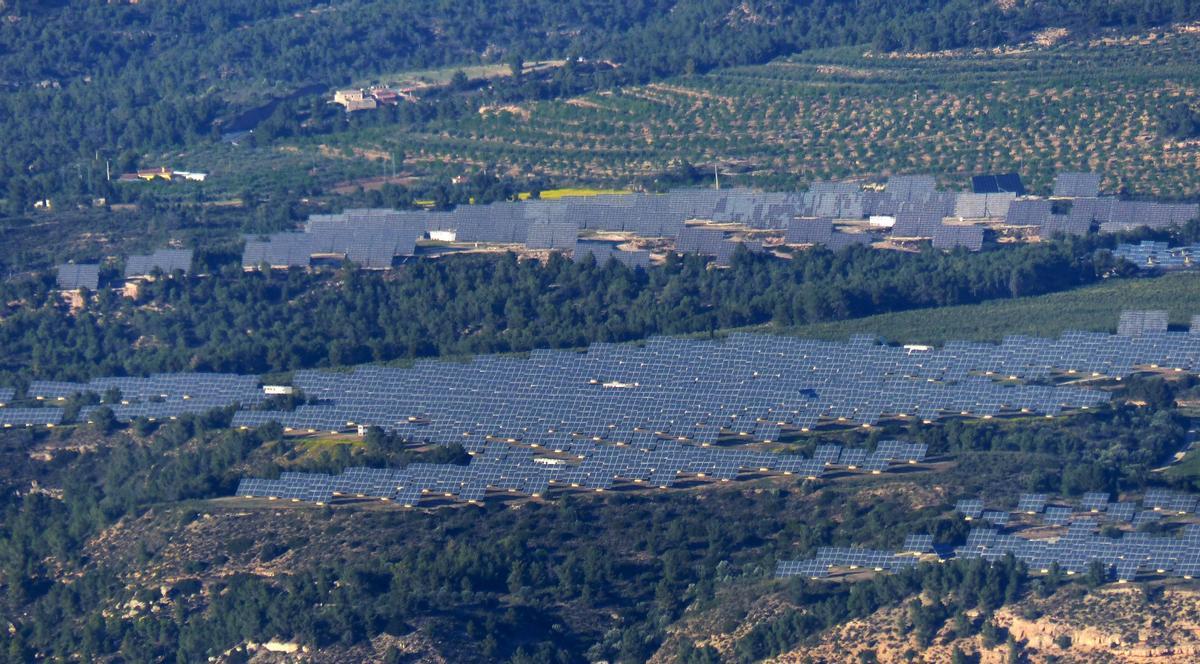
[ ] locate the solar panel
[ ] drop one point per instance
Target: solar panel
(1057, 516)
(979, 206)
(1137, 323)
(1031, 503)
(949, 237)
(372, 238)
(971, 508)
(1094, 501)
(917, 222)
(918, 543)
(998, 183)
(697, 240)
(910, 187)
(1074, 551)
(1028, 213)
(164, 260)
(1077, 185)
(73, 276)
(809, 231)
(995, 517)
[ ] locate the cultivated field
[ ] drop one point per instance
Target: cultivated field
(837, 113)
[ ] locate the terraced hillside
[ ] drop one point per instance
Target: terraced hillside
(1086, 104)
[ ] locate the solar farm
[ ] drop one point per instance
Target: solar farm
(905, 209)
(1045, 536)
(675, 412)
(572, 463)
(687, 389)
(656, 414)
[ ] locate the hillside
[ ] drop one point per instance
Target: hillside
(1076, 103)
(600, 331)
(153, 78)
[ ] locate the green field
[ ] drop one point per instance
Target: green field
(823, 114)
(1094, 308)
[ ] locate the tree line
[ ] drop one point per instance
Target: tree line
(232, 321)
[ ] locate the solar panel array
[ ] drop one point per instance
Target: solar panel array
(910, 187)
(6, 395)
(1065, 224)
(726, 249)
(1094, 501)
(1093, 506)
(1077, 185)
(829, 557)
(685, 388)
(809, 231)
(694, 388)
(998, 183)
(1116, 215)
(1028, 213)
(917, 222)
(159, 396)
(364, 236)
(839, 240)
(699, 240)
(164, 260)
(971, 508)
(370, 238)
(564, 462)
(918, 543)
(1138, 323)
(552, 232)
(1032, 503)
(1092, 209)
(1123, 557)
(977, 206)
(278, 250)
(555, 224)
(1166, 500)
(28, 417)
(950, 237)
(1159, 255)
(1121, 216)
(72, 276)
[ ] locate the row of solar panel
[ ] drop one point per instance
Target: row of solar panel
(1151, 255)
(362, 235)
(504, 467)
(838, 382)
(1092, 505)
(1122, 557)
(682, 387)
(72, 276)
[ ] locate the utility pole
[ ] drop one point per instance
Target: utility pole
(717, 176)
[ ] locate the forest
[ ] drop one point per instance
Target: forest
(233, 321)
